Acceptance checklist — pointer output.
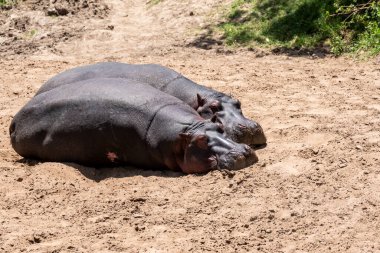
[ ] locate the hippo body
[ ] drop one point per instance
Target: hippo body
(111, 121)
(206, 101)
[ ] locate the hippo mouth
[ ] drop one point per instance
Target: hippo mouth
(258, 146)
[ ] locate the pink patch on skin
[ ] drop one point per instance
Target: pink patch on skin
(112, 156)
(200, 118)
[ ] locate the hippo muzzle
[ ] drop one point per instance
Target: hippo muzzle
(241, 129)
(208, 149)
(237, 158)
(227, 111)
(249, 132)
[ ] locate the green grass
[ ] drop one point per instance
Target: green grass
(30, 34)
(7, 2)
(285, 23)
(153, 2)
(342, 25)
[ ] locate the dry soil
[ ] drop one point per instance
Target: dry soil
(316, 187)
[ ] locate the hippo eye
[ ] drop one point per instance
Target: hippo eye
(215, 107)
(238, 104)
(220, 128)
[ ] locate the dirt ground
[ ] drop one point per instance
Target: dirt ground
(316, 187)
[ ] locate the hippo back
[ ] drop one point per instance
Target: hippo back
(91, 121)
(206, 101)
(157, 76)
(152, 74)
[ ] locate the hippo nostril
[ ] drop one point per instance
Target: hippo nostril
(213, 162)
(252, 158)
(259, 131)
(240, 162)
(240, 157)
(259, 137)
(242, 126)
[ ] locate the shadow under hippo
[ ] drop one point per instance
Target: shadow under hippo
(207, 102)
(113, 121)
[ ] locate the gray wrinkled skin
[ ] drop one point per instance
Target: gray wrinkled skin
(111, 121)
(206, 101)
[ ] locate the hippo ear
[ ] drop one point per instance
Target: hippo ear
(201, 141)
(201, 101)
(215, 119)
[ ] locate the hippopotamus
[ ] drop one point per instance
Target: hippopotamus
(207, 102)
(113, 121)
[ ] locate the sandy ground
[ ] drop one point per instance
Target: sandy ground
(316, 187)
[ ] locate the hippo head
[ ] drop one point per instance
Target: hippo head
(227, 111)
(206, 148)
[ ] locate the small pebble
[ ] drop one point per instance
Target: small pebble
(253, 218)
